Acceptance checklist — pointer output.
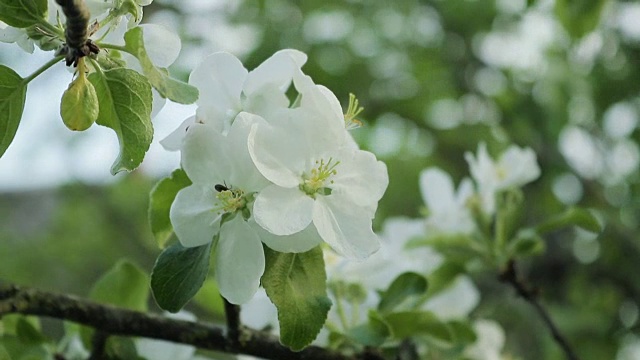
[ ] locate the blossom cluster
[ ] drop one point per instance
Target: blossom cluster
(267, 169)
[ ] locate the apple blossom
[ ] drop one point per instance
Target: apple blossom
(447, 209)
(515, 167)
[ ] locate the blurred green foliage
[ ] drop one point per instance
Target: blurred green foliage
(432, 88)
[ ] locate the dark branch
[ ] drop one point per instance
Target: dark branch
(510, 277)
(233, 322)
(124, 322)
(98, 345)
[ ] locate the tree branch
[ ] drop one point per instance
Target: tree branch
(510, 277)
(233, 322)
(124, 322)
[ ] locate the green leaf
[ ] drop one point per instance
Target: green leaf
(178, 274)
(79, 105)
(373, 333)
(168, 87)
(28, 333)
(405, 287)
(125, 99)
(13, 92)
(23, 13)
(579, 17)
(161, 198)
(527, 243)
(572, 216)
(124, 285)
(463, 332)
(443, 276)
(296, 284)
(413, 323)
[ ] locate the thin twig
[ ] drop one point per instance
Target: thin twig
(233, 322)
(510, 276)
(124, 322)
(98, 345)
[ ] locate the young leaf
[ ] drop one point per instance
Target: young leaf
(406, 286)
(23, 13)
(79, 105)
(373, 333)
(178, 274)
(168, 87)
(412, 323)
(124, 285)
(13, 92)
(572, 216)
(125, 99)
(160, 200)
(296, 284)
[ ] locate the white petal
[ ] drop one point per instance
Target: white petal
(278, 157)
(283, 211)
(360, 177)
(520, 166)
(455, 302)
(204, 155)
(244, 175)
(437, 190)
(239, 261)
(162, 45)
(173, 142)
(277, 70)
(158, 103)
(192, 215)
(345, 228)
(301, 241)
(219, 78)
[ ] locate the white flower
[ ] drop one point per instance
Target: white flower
(227, 88)
(317, 177)
(9, 34)
(224, 182)
(489, 342)
(456, 301)
(516, 167)
(447, 209)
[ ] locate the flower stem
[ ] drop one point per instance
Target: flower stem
(43, 68)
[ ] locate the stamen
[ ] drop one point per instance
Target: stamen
(350, 121)
(316, 182)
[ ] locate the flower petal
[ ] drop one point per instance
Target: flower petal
(277, 70)
(239, 261)
(244, 175)
(283, 211)
(301, 241)
(345, 228)
(277, 156)
(360, 177)
(437, 190)
(219, 78)
(192, 215)
(173, 141)
(204, 155)
(162, 45)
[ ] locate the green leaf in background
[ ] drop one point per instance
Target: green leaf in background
(573, 216)
(125, 285)
(79, 105)
(178, 274)
(373, 333)
(526, 243)
(296, 284)
(463, 332)
(423, 323)
(28, 333)
(579, 17)
(208, 298)
(443, 276)
(167, 86)
(405, 287)
(23, 13)
(160, 200)
(125, 99)
(13, 92)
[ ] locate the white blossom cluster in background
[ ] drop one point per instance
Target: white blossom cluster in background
(269, 169)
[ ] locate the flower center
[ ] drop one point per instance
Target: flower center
(316, 181)
(229, 199)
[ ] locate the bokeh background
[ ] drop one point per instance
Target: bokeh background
(436, 77)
